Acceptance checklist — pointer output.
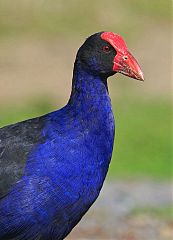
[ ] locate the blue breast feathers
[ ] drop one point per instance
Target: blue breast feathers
(64, 173)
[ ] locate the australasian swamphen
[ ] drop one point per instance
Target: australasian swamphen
(52, 167)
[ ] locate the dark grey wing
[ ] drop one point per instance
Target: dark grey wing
(16, 142)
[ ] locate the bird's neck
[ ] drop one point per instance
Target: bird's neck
(92, 116)
(88, 88)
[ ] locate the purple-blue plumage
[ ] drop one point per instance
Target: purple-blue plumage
(63, 175)
(54, 166)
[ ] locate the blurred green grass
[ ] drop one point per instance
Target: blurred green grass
(165, 212)
(49, 18)
(19, 113)
(143, 143)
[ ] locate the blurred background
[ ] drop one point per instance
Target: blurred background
(38, 44)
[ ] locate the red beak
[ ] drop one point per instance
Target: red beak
(128, 65)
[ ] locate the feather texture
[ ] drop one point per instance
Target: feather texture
(53, 167)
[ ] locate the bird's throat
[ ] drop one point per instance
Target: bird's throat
(88, 88)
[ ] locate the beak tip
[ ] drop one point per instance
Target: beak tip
(142, 79)
(141, 76)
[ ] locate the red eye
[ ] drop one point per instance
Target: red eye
(106, 49)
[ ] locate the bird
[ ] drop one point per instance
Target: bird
(52, 167)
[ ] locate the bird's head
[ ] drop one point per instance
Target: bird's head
(106, 53)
